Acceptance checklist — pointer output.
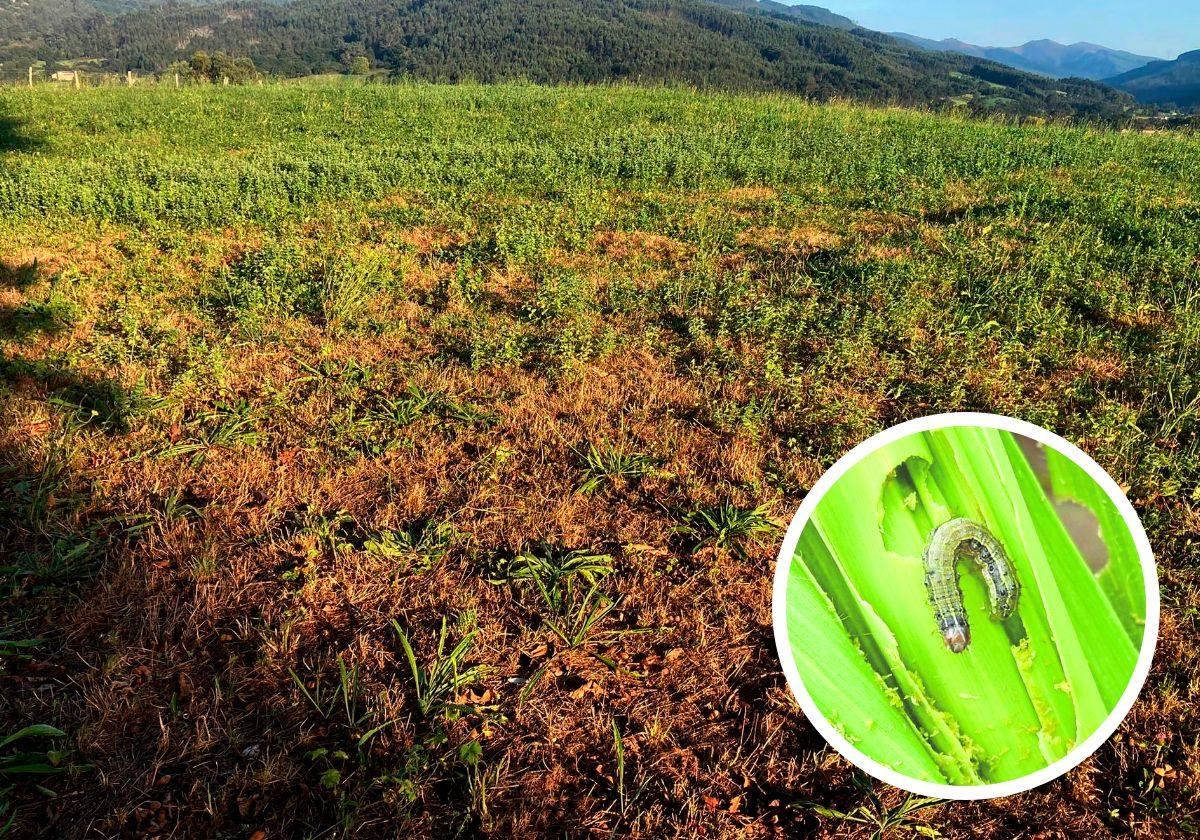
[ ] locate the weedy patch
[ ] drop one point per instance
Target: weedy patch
(326, 285)
(727, 527)
(881, 819)
(610, 464)
(416, 549)
(437, 683)
(227, 425)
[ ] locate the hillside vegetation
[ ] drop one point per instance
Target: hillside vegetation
(1166, 83)
(385, 459)
(751, 47)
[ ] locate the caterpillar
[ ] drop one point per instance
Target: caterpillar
(948, 543)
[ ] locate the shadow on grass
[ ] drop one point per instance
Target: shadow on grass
(103, 402)
(15, 136)
(14, 276)
(35, 318)
(30, 317)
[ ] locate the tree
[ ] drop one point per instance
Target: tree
(219, 66)
(201, 65)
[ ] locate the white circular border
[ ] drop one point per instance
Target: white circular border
(835, 738)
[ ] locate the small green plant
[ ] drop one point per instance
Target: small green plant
(227, 426)
(18, 761)
(439, 681)
(619, 754)
(330, 532)
(883, 820)
(404, 410)
(627, 794)
(568, 586)
(553, 572)
(420, 763)
(729, 527)
(480, 778)
(419, 548)
(346, 284)
(343, 694)
(466, 413)
(175, 508)
(14, 648)
(580, 614)
(37, 496)
(604, 465)
(109, 404)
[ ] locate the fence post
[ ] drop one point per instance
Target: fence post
(31, 75)
(77, 75)
(176, 81)
(128, 78)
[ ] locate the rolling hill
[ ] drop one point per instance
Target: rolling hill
(1049, 58)
(754, 46)
(1164, 83)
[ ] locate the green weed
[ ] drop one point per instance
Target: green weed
(436, 684)
(607, 464)
(882, 820)
(555, 573)
(728, 527)
(417, 549)
(20, 762)
(226, 426)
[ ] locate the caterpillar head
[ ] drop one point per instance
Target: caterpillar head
(956, 633)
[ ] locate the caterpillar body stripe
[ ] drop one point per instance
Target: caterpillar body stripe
(964, 539)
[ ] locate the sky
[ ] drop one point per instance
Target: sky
(1159, 28)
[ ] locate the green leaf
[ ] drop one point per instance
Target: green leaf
(470, 753)
(1121, 575)
(37, 730)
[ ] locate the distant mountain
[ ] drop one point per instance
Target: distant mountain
(808, 14)
(1164, 83)
(1050, 58)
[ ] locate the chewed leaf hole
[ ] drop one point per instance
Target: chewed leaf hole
(1084, 528)
(1080, 521)
(907, 484)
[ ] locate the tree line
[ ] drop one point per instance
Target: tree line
(576, 41)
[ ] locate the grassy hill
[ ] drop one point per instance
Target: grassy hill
(295, 376)
(576, 41)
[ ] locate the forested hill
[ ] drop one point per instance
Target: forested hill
(1168, 84)
(690, 41)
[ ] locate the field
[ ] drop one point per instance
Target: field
(415, 456)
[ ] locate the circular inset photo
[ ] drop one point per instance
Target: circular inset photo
(966, 606)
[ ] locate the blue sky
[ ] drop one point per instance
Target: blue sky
(1162, 28)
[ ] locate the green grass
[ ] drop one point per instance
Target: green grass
(282, 363)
